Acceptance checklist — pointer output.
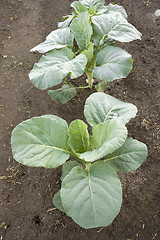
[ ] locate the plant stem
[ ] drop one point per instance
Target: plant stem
(90, 71)
(88, 165)
(90, 79)
(77, 158)
(80, 87)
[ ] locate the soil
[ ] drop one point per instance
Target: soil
(27, 212)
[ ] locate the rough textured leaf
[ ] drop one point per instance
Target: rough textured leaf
(57, 201)
(157, 12)
(41, 142)
(113, 8)
(82, 30)
(106, 138)
(125, 32)
(100, 107)
(67, 167)
(66, 22)
(78, 136)
(64, 94)
(78, 7)
(112, 63)
(57, 39)
(129, 157)
(52, 68)
(94, 198)
(95, 3)
(115, 26)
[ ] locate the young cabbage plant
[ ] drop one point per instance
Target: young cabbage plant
(85, 43)
(91, 193)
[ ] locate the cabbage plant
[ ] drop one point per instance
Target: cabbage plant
(85, 43)
(91, 193)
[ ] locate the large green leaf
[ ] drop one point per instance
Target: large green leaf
(117, 8)
(106, 138)
(112, 8)
(78, 7)
(57, 39)
(41, 142)
(78, 136)
(95, 3)
(82, 30)
(63, 94)
(94, 198)
(57, 64)
(67, 167)
(115, 26)
(129, 157)
(112, 63)
(100, 107)
(58, 119)
(57, 201)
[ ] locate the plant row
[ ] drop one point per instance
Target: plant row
(90, 193)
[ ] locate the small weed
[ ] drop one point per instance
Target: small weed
(3, 225)
(147, 3)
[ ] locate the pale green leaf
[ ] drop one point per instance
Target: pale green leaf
(41, 142)
(112, 63)
(101, 86)
(64, 94)
(115, 26)
(124, 32)
(89, 52)
(117, 8)
(112, 8)
(94, 198)
(57, 39)
(54, 117)
(128, 157)
(100, 107)
(67, 167)
(106, 138)
(55, 66)
(78, 136)
(57, 201)
(82, 30)
(78, 7)
(95, 3)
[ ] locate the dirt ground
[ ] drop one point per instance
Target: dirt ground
(27, 212)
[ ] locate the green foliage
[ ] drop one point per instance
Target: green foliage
(91, 193)
(84, 43)
(63, 94)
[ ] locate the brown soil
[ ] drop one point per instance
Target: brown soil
(26, 193)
